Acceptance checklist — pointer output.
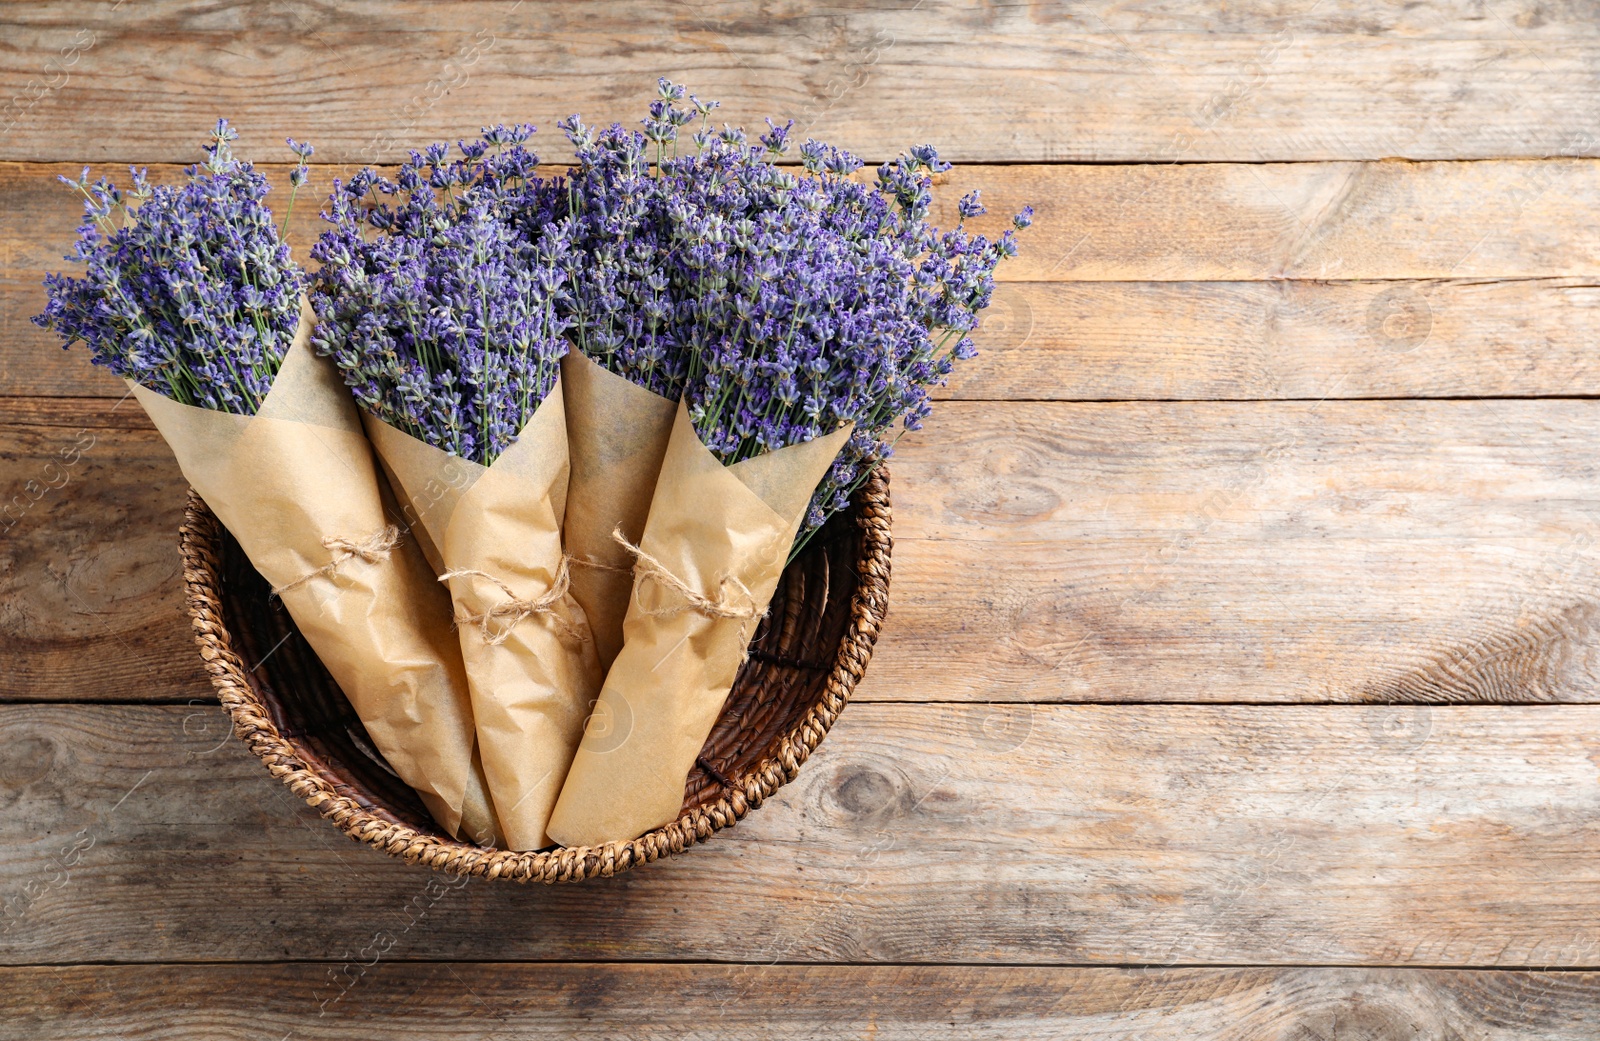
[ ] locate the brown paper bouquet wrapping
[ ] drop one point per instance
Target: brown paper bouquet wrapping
(616, 436)
(713, 548)
(495, 533)
(296, 485)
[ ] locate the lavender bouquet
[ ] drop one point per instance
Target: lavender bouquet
(441, 299)
(190, 294)
(624, 376)
(669, 254)
(799, 317)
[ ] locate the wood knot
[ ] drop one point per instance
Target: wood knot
(24, 760)
(867, 791)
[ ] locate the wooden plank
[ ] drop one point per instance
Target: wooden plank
(91, 586)
(1231, 221)
(1150, 835)
(1121, 341)
(1346, 551)
(1189, 222)
(1130, 341)
(1331, 17)
(1137, 82)
(1459, 228)
(1333, 551)
(494, 1002)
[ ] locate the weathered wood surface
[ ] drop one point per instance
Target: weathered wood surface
(1292, 548)
(1131, 341)
(1344, 551)
(1310, 551)
(91, 586)
(1154, 835)
(1450, 279)
(498, 1002)
(1193, 222)
(1285, 339)
(1150, 81)
(1232, 221)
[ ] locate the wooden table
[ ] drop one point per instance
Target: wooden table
(1242, 675)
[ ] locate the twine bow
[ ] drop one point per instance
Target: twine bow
(369, 550)
(724, 606)
(497, 622)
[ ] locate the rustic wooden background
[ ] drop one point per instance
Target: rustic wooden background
(1242, 678)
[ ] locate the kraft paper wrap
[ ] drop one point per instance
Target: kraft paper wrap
(617, 434)
(532, 678)
(282, 481)
(712, 527)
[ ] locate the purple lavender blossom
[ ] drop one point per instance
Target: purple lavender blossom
(448, 322)
(187, 290)
(781, 305)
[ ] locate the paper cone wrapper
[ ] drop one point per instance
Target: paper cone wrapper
(617, 433)
(531, 690)
(281, 481)
(714, 528)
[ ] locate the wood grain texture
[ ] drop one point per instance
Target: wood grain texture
(994, 860)
(1030, 82)
(91, 588)
(1343, 551)
(1130, 341)
(1231, 221)
(1306, 552)
(1154, 835)
(499, 1002)
(1449, 279)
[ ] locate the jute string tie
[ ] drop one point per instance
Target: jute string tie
(599, 565)
(724, 606)
(497, 622)
(369, 550)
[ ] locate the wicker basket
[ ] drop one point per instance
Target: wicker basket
(806, 658)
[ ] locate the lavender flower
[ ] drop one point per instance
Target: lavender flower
(187, 290)
(445, 323)
(627, 274)
(782, 306)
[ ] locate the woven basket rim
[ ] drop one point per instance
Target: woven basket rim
(199, 541)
